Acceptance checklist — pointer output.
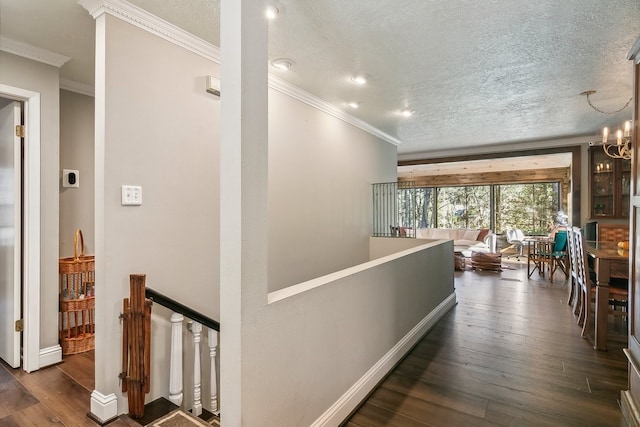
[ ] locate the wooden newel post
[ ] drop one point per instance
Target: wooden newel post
(136, 345)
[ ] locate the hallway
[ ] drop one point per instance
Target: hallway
(510, 353)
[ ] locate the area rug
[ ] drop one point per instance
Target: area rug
(179, 418)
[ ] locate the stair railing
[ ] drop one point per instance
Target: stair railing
(196, 321)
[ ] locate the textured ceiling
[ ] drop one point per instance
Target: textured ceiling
(474, 72)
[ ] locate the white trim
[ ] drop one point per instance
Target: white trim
(30, 225)
(341, 409)
(50, 356)
(152, 24)
(163, 29)
(303, 96)
(81, 88)
(32, 52)
(104, 407)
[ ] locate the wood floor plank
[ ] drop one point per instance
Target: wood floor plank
(65, 398)
(80, 367)
(376, 416)
(510, 353)
(423, 411)
(34, 415)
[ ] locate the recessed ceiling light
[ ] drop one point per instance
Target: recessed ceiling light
(353, 104)
(359, 78)
(283, 64)
(406, 113)
(274, 9)
(271, 12)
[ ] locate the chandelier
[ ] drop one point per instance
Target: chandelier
(621, 148)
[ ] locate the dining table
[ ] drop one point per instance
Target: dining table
(609, 261)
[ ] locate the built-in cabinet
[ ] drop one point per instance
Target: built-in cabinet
(609, 186)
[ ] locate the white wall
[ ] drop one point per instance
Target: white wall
(156, 127)
(320, 204)
(304, 352)
(160, 132)
(77, 152)
(38, 77)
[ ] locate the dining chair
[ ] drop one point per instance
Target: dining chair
(618, 296)
(574, 291)
(559, 257)
(582, 280)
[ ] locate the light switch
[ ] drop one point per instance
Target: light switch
(131, 195)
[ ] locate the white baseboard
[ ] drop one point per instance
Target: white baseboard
(341, 409)
(50, 356)
(104, 408)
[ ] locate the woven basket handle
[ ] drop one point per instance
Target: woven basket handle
(78, 239)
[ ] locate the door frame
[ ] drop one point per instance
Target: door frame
(30, 225)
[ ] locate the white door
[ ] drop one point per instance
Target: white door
(10, 233)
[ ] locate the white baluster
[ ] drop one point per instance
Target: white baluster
(175, 361)
(196, 329)
(213, 348)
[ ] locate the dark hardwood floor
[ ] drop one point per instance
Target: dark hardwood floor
(509, 354)
(58, 395)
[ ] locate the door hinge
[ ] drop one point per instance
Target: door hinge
(20, 131)
(19, 326)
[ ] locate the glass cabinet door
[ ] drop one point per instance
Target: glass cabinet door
(610, 184)
(602, 184)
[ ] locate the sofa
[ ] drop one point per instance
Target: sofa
(482, 240)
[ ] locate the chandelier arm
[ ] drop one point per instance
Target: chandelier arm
(608, 112)
(623, 150)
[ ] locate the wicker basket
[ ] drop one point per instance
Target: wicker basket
(77, 300)
(459, 261)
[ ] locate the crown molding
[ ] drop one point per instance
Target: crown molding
(295, 92)
(144, 20)
(32, 52)
(81, 88)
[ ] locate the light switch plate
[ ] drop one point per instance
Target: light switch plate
(131, 195)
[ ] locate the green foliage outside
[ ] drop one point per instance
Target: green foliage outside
(531, 207)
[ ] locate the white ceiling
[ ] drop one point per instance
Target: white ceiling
(475, 73)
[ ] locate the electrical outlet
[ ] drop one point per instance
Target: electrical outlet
(131, 195)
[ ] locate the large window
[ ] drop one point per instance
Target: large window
(533, 208)
(464, 207)
(399, 209)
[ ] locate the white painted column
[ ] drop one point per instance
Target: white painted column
(243, 197)
(213, 348)
(196, 330)
(175, 361)
(104, 401)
